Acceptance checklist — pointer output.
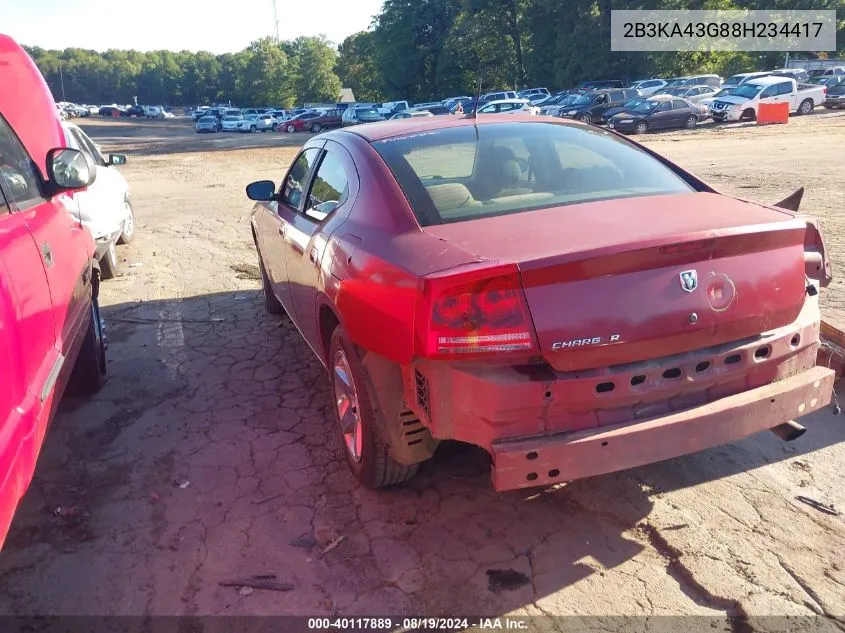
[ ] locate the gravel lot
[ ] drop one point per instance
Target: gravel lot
(210, 454)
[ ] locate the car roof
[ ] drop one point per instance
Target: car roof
(768, 80)
(506, 101)
(419, 125)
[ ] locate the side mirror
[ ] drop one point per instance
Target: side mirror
(261, 190)
(117, 159)
(70, 169)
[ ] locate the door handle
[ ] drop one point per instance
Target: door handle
(313, 255)
(282, 230)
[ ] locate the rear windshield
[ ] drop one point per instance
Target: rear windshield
(468, 172)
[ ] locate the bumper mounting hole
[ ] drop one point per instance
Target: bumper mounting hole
(532, 455)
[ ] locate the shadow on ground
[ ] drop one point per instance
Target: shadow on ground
(211, 454)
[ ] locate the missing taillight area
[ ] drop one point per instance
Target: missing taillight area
(481, 312)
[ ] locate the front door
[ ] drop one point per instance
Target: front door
(308, 233)
(661, 118)
(277, 216)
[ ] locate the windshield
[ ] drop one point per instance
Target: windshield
(582, 100)
(207, 119)
(678, 92)
(735, 80)
(469, 172)
(645, 107)
(633, 102)
(746, 91)
(231, 118)
(366, 112)
(679, 81)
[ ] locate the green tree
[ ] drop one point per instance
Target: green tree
(358, 69)
(313, 61)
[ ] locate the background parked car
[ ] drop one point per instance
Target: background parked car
(744, 101)
(411, 114)
(599, 84)
(533, 94)
(298, 123)
(648, 86)
(208, 123)
(660, 112)
(110, 111)
(630, 104)
(326, 120)
(508, 106)
(231, 122)
(741, 78)
(798, 74)
(105, 207)
(705, 102)
(590, 107)
(835, 97)
(693, 80)
(693, 94)
(497, 96)
(255, 123)
(826, 72)
(361, 114)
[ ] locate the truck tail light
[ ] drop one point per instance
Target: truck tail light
(472, 314)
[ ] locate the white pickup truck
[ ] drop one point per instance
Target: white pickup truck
(742, 102)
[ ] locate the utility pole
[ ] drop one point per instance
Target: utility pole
(786, 63)
(62, 79)
(276, 21)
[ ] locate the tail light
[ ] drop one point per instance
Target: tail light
(473, 314)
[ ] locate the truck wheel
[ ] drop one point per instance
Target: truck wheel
(806, 106)
(690, 122)
(748, 115)
(641, 127)
(129, 224)
(365, 452)
(108, 263)
(89, 374)
(271, 302)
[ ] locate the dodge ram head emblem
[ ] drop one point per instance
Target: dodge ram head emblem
(689, 280)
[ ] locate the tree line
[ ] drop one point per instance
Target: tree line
(415, 49)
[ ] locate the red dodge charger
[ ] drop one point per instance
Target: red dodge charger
(552, 292)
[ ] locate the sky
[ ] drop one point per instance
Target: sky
(218, 26)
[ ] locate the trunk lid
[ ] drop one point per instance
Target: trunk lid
(603, 280)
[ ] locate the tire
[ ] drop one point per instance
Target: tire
(271, 302)
(252, 129)
(691, 122)
(129, 225)
(316, 128)
(641, 128)
(90, 372)
(806, 106)
(366, 453)
(108, 263)
(748, 115)
(585, 118)
(290, 129)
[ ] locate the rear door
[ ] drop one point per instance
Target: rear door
(680, 112)
(330, 194)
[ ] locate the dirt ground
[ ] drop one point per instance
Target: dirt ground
(210, 454)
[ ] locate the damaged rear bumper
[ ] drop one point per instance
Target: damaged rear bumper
(553, 458)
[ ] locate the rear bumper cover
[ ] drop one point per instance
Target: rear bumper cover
(560, 457)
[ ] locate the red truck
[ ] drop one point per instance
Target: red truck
(50, 329)
(557, 294)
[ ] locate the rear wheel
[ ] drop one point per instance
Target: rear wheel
(641, 127)
(128, 224)
(806, 106)
(690, 122)
(366, 453)
(252, 129)
(290, 129)
(316, 128)
(108, 263)
(89, 373)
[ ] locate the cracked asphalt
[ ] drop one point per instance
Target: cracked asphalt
(211, 456)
